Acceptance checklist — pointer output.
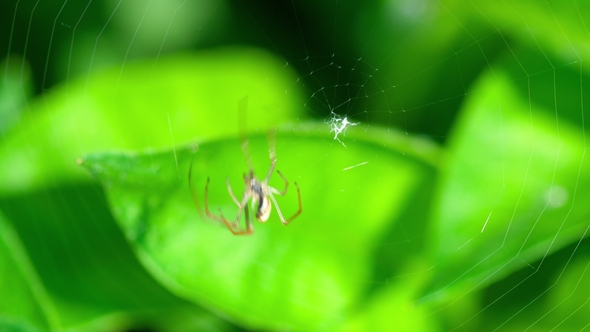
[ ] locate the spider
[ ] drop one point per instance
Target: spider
(260, 193)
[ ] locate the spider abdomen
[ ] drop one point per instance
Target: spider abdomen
(264, 209)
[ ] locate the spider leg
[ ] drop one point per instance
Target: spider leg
(272, 152)
(233, 227)
(241, 208)
(272, 197)
(249, 226)
(242, 114)
(231, 193)
(193, 192)
(284, 192)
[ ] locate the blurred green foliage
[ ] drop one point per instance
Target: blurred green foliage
(484, 229)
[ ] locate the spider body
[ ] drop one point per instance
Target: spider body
(260, 200)
(259, 193)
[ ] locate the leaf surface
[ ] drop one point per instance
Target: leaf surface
(300, 276)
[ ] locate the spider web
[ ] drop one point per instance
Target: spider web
(499, 87)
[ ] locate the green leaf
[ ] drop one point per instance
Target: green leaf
(16, 87)
(395, 306)
(513, 190)
(144, 105)
(301, 276)
(80, 254)
(558, 28)
(550, 300)
(25, 305)
(569, 294)
(85, 265)
(65, 226)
